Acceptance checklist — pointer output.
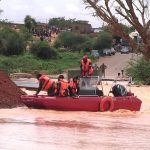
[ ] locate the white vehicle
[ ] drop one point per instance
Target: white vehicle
(107, 52)
(95, 53)
(113, 51)
(124, 50)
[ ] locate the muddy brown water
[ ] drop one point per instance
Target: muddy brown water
(32, 129)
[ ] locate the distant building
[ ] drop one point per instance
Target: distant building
(81, 27)
(11, 25)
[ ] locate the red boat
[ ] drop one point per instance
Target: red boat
(90, 99)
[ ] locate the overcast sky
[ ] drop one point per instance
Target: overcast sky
(42, 10)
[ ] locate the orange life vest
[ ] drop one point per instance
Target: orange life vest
(47, 82)
(85, 66)
(73, 86)
(90, 71)
(63, 87)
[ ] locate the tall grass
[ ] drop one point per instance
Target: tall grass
(29, 63)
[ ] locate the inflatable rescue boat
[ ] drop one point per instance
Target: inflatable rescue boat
(89, 99)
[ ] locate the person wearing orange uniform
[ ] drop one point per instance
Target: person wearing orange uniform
(62, 87)
(86, 66)
(45, 83)
(74, 86)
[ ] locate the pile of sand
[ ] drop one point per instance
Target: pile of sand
(9, 92)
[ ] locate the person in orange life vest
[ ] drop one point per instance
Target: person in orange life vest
(62, 86)
(86, 66)
(74, 86)
(45, 83)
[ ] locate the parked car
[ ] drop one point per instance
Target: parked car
(113, 52)
(107, 52)
(124, 50)
(95, 53)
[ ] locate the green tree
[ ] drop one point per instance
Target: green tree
(104, 40)
(60, 22)
(29, 22)
(11, 42)
(134, 12)
(139, 70)
(71, 41)
(43, 50)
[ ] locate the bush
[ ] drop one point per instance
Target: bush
(43, 50)
(139, 70)
(71, 40)
(87, 46)
(103, 41)
(11, 42)
(26, 34)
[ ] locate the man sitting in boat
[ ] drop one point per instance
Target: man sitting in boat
(86, 66)
(62, 87)
(45, 83)
(74, 86)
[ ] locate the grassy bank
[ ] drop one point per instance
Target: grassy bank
(29, 63)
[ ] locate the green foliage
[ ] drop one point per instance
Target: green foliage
(11, 42)
(43, 50)
(27, 35)
(103, 41)
(128, 29)
(87, 45)
(72, 41)
(29, 22)
(60, 22)
(29, 63)
(139, 70)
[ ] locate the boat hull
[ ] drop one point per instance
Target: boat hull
(63, 103)
(83, 103)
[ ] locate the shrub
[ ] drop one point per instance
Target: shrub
(71, 40)
(103, 41)
(11, 42)
(139, 70)
(43, 50)
(87, 46)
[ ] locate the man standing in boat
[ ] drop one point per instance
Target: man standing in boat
(45, 83)
(86, 66)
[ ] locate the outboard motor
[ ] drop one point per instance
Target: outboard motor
(119, 90)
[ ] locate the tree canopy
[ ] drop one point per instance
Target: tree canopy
(29, 22)
(60, 22)
(133, 12)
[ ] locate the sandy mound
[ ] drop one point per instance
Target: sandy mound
(9, 92)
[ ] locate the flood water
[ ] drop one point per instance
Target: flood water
(33, 129)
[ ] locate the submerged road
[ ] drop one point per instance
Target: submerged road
(116, 63)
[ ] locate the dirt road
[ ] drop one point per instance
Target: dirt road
(115, 63)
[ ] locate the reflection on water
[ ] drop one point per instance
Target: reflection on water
(29, 129)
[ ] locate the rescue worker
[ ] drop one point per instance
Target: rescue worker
(103, 68)
(74, 86)
(62, 87)
(45, 83)
(86, 66)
